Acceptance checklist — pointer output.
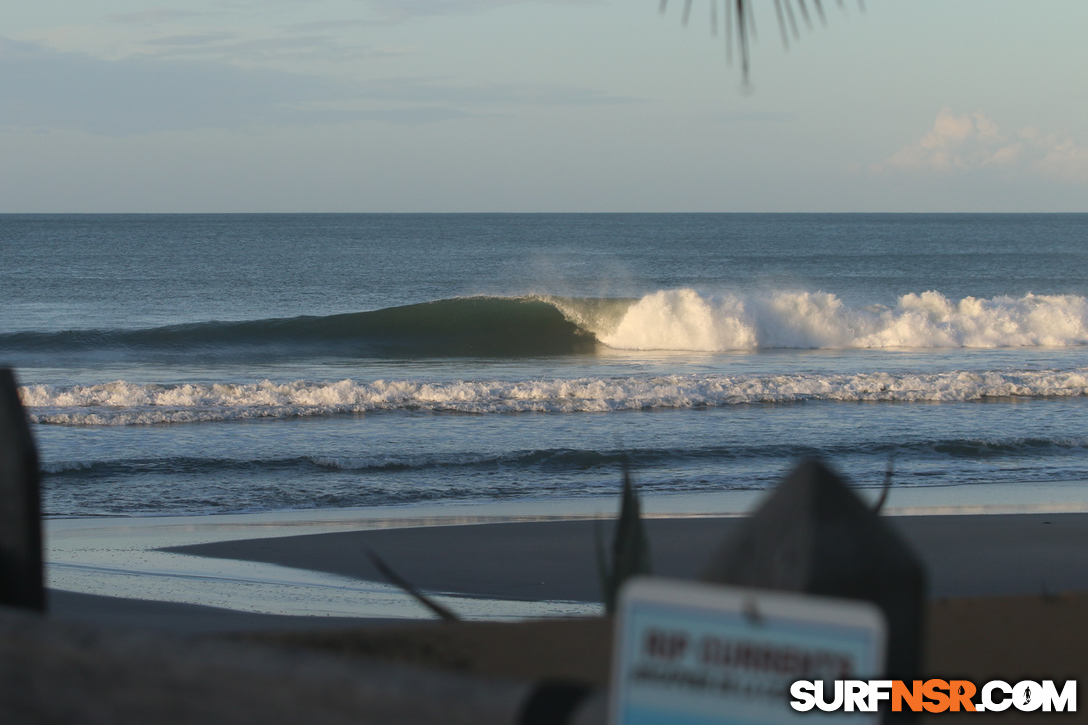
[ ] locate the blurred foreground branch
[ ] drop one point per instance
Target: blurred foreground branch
(740, 24)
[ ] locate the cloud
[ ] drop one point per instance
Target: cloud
(385, 11)
(1065, 160)
(752, 117)
(400, 10)
(45, 89)
(969, 142)
(152, 17)
(48, 89)
(322, 25)
(191, 39)
(429, 90)
(274, 51)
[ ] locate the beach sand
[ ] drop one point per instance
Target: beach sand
(964, 555)
(184, 619)
(1009, 594)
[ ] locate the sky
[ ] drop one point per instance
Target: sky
(540, 106)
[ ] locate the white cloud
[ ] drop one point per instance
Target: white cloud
(46, 89)
(317, 37)
(1065, 160)
(399, 10)
(958, 143)
(152, 17)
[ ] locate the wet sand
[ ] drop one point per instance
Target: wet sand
(966, 555)
(1010, 593)
(184, 619)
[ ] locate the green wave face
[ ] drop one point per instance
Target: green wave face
(472, 326)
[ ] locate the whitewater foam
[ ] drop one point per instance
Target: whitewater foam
(687, 320)
(126, 403)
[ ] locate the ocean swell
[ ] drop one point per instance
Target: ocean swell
(126, 403)
(472, 326)
(559, 460)
(680, 320)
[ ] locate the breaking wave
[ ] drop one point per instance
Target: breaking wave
(686, 320)
(126, 403)
(681, 319)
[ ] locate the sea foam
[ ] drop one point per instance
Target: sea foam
(126, 403)
(687, 320)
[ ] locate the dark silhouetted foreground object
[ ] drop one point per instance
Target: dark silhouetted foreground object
(746, 25)
(56, 672)
(814, 535)
(553, 702)
(52, 672)
(20, 507)
(397, 580)
(630, 548)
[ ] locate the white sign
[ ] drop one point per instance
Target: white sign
(689, 653)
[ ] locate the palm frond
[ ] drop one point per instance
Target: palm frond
(630, 547)
(740, 22)
(397, 580)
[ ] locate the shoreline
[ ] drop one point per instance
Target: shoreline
(965, 555)
(1062, 496)
(285, 569)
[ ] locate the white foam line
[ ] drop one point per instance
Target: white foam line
(119, 558)
(271, 589)
(988, 509)
(684, 319)
(126, 403)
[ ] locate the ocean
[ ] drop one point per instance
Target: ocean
(206, 364)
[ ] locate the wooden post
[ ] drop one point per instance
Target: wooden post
(20, 505)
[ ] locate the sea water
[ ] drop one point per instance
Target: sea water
(196, 364)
